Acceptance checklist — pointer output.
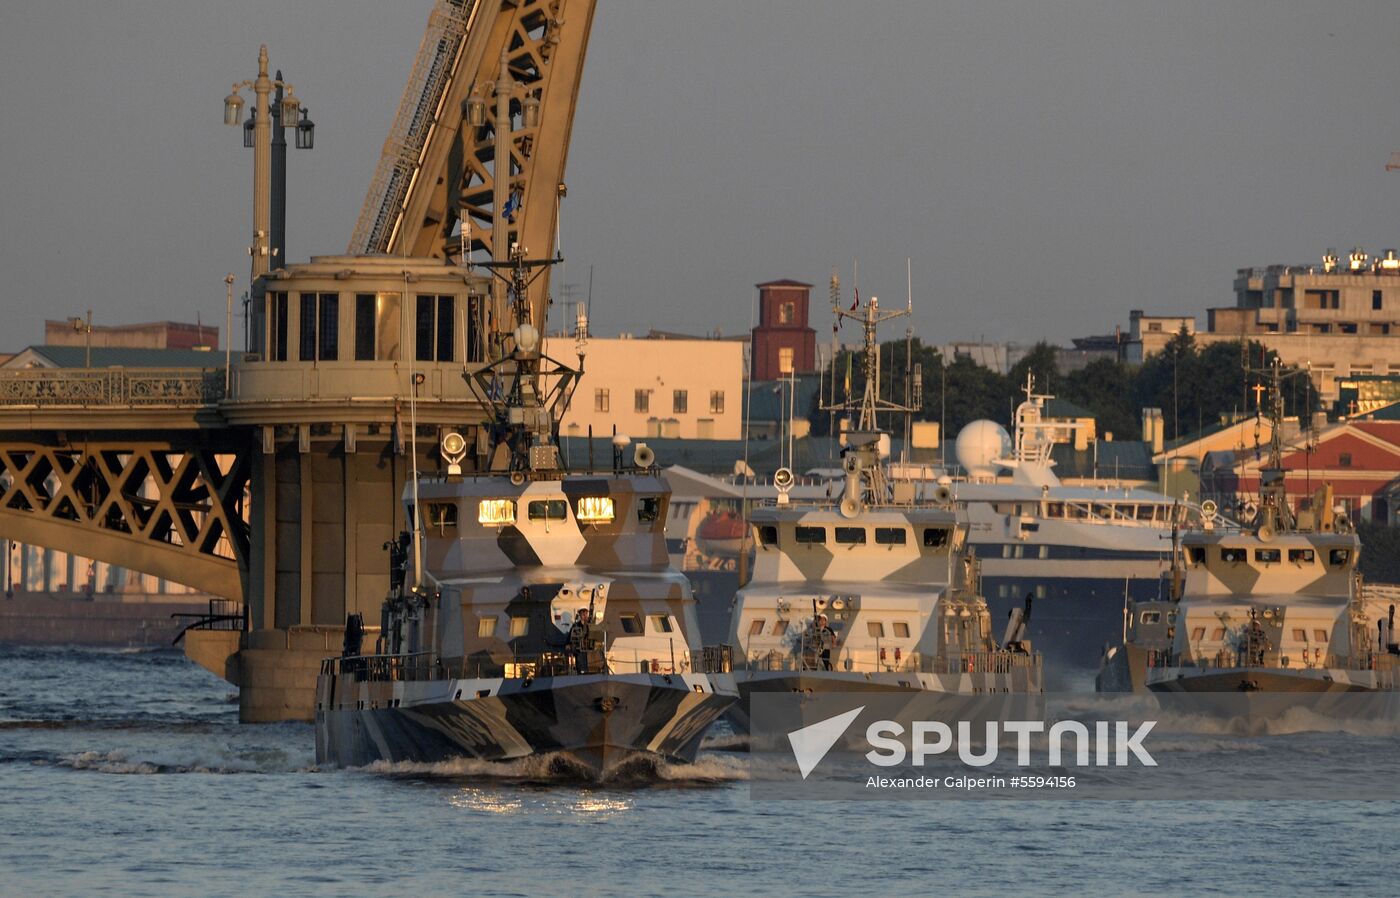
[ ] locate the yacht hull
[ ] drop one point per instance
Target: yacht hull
(595, 725)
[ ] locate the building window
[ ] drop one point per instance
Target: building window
(320, 327)
(785, 313)
(602, 400)
(641, 402)
(308, 327)
(1348, 327)
(277, 342)
(433, 329)
(680, 402)
(716, 402)
(1344, 460)
(1376, 304)
(1154, 327)
(785, 354)
(328, 347)
(364, 327)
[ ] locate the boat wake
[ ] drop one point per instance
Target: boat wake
(559, 769)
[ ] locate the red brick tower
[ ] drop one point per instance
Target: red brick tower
(783, 342)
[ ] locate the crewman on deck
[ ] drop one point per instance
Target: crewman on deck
(581, 640)
(824, 639)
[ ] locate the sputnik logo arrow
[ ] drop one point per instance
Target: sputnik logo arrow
(811, 743)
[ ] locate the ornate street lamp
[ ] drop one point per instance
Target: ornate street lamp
(285, 111)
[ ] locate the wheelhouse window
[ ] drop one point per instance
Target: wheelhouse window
(434, 329)
(1302, 556)
(496, 511)
(519, 626)
(1268, 556)
(1300, 635)
(631, 624)
(1319, 635)
(811, 535)
(486, 627)
(660, 623)
(1151, 617)
(1198, 633)
(935, 537)
(901, 629)
(1196, 554)
(442, 516)
(768, 535)
(780, 627)
(1217, 634)
(548, 510)
(595, 509)
(875, 629)
(1234, 555)
(890, 536)
(756, 626)
(1339, 557)
(648, 509)
(850, 536)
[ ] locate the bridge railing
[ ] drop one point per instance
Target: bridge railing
(108, 387)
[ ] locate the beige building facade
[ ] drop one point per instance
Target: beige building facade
(1340, 318)
(656, 387)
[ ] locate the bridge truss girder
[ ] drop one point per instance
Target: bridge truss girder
(175, 508)
(451, 196)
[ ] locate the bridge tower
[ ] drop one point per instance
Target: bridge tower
(281, 489)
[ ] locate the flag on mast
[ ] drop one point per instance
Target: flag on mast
(855, 305)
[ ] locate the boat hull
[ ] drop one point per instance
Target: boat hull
(1257, 679)
(596, 724)
(949, 688)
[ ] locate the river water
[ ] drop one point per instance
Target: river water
(127, 773)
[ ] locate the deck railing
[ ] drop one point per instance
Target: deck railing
(710, 659)
(915, 662)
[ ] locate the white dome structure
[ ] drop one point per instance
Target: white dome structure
(978, 447)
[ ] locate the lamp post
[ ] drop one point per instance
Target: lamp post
(257, 133)
(85, 328)
(228, 334)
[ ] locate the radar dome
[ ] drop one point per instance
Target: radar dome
(979, 445)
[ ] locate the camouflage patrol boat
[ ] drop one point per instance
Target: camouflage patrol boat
(533, 612)
(873, 590)
(1270, 605)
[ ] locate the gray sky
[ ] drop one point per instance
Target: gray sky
(1048, 164)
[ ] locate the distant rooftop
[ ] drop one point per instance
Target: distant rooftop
(113, 357)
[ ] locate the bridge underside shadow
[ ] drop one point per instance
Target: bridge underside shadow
(171, 507)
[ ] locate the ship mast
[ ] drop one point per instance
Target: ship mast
(1274, 512)
(865, 472)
